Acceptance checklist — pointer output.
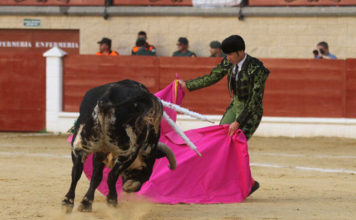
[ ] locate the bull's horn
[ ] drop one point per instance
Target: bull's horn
(169, 154)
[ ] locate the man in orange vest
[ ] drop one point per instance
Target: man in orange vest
(148, 46)
(105, 48)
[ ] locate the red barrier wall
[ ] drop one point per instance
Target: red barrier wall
(153, 2)
(53, 2)
(351, 88)
(96, 2)
(295, 88)
(300, 3)
(305, 88)
(22, 92)
(83, 72)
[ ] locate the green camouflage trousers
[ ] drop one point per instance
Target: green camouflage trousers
(234, 110)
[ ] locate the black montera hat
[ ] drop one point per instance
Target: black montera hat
(232, 44)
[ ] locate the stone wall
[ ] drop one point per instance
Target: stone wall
(268, 37)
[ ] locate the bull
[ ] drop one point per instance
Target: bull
(120, 124)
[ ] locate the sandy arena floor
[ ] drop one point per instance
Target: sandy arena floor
(300, 179)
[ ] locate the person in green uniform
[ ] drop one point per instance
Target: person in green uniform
(183, 51)
(215, 49)
(246, 77)
(142, 50)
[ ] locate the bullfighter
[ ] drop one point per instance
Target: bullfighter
(246, 77)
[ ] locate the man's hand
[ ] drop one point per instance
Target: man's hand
(182, 83)
(233, 127)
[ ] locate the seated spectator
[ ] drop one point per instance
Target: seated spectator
(322, 51)
(105, 48)
(142, 49)
(183, 51)
(215, 49)
(148, 46)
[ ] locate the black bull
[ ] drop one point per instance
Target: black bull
(120, 124)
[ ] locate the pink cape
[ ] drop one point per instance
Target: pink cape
(221, 175)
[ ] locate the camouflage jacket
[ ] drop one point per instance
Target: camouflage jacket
(249, 85)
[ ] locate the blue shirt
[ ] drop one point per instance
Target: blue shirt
(331, 56)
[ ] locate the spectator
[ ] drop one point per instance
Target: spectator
(215, 49)
(183, 51)
(148, 46)
(105, 48)
(142, 49)
(322, 51)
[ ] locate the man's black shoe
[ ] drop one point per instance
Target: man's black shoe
(254, 188)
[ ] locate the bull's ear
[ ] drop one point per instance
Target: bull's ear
(164, 151)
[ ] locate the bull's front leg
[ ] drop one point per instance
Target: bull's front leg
(119, 166)
(77, 169)
(114, 174)
(98, 167)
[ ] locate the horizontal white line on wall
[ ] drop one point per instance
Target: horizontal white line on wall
(269, 127)
(302, 120)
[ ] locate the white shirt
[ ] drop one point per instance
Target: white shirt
(239, 65)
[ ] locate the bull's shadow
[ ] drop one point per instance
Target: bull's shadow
(120, 124)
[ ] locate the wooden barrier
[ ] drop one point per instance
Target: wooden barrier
(53, 2)
(96, 2)
(295, 87)
(153, 2)
(22, 92)
(300, 2)
(305, 88)
(83, 72)
(351, 88)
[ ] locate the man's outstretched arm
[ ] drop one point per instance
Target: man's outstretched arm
(215, 75)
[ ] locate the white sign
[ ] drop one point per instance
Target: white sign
(31, 22)
(216, 3)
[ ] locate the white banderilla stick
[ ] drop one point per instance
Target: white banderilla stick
(185, 111)
(181, 133)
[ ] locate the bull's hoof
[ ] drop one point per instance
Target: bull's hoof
(111, 202)
(85, 205)
(67, 205)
